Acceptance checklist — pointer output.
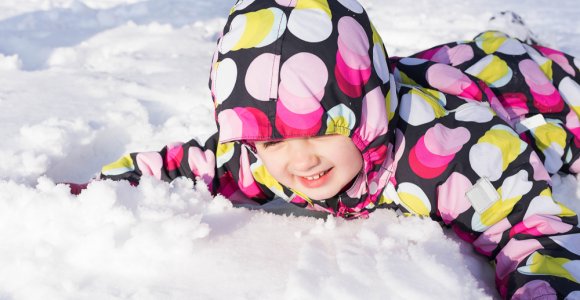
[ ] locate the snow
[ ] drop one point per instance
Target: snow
(83, 82)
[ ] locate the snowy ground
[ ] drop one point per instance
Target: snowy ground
(84, 81)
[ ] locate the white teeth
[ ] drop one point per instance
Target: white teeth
(316, 176)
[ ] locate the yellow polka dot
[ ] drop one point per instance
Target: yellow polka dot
(258, 27)
(317, 4)
(509, 145)
(124, 164)
(494, 71)
(414, 204)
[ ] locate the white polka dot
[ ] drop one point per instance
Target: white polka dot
(380, 63)
(570, 91)
(472, 112)
(411, 61)
(280, 22)
(373, 187)
(352, 5)
(486, 160)
(512, 47)
(226, 74)
(415, 110)
(243, 4)
(233, 36)
(553, 160)
(311, 25)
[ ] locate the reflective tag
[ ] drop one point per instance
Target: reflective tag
(530, 123)
(482, 195)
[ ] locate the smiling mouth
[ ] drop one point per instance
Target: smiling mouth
(317, 176)
(316, 181)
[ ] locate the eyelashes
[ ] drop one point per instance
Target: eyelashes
(270, 143)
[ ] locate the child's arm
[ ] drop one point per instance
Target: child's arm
(225, 168)
(526, 85)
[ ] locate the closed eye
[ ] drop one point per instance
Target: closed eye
(269, 144)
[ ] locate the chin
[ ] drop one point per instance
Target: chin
(320, 197)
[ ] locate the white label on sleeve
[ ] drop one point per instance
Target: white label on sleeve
(482, 195)
(530, 123)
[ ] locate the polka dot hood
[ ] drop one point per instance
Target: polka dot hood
(288, 68)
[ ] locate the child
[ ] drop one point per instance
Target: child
(310, 110)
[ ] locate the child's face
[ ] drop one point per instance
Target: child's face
(319, 167)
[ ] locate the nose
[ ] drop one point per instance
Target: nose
(303, 158)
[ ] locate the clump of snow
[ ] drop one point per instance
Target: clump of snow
(171, 241)
(10, 62)
(85, 81)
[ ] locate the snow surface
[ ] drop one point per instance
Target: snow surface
(84, 81)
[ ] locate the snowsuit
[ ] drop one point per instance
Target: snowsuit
(431, 143)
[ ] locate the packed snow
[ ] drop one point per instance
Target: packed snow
(83, 82)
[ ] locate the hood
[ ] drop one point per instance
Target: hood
(304, 68)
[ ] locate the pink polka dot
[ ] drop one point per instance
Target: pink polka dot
(460, 54)
(173, 156)
(351, 90)
(451, 197)
(350, 31)
(353, 76)
(535, 78)
(515, 104)
(532, 289)
(420, 169)
(297, 104)
(444, 141)
(150, 163)
(255, 123)
(202, 163)
(262, 77)
(246, 180)
(448, 79)
(353, 59)
(442, 56)
(559, 58)
(230, 125)
(292, 124)
(287, 3)
(374, 116)
(429, 159)
(430, 53)
(304, 74)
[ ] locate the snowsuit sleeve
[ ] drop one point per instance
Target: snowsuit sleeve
(464, 166)
(535, 89)
(224, 167)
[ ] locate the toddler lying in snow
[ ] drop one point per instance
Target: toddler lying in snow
(311, 110)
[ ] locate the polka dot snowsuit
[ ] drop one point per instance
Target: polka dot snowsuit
(465, 133)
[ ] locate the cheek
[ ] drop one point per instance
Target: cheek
(274, 165)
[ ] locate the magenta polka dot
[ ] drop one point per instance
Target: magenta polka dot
(255, 123)
(290, 124)
(353, 76)
(353, 59)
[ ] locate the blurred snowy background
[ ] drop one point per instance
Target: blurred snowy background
(83, 82)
